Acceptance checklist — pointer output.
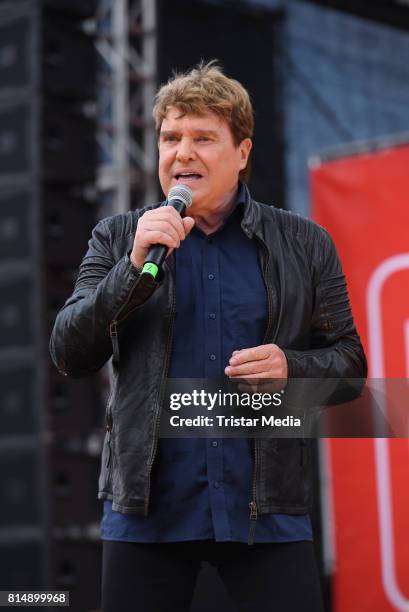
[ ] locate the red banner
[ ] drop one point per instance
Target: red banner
(363, 201)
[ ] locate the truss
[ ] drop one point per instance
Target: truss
(126, 43)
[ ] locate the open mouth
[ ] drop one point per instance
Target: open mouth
(188, 176)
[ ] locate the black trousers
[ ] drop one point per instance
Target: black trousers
(161, 577)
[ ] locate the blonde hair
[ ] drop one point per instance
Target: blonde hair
(203, 89)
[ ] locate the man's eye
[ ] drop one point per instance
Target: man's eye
(169, 139)
(203, 139)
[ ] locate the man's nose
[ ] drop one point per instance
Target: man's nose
(185, 150)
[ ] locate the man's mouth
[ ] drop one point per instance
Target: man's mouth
(187, 176)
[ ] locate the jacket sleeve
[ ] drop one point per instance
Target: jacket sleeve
(106, 291)
(335, 348)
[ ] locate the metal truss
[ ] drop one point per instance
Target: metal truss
(126, 43)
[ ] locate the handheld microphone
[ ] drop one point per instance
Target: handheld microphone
(180, 198)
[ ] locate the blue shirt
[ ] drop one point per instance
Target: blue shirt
(201, 488)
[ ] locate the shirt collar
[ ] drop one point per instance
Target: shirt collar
(236, 212)
(238, 208)
(241, 195)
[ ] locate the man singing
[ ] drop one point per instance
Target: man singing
(247, 291)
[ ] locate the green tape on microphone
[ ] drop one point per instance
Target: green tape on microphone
(150, 268)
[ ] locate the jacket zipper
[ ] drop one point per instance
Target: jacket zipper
(157, 414)
(253, 502)
(113, 327)
(113, 332)
(108, 428)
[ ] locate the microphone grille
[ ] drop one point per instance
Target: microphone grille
(181, 192)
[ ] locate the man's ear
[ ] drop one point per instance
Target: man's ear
(245, 147)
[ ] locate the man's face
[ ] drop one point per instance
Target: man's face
(198, 151)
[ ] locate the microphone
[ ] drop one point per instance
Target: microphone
(180, 197)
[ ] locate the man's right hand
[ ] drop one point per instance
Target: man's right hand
(163, 225)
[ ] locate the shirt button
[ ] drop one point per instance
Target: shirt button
(211, 276)
(212, 315)
(214, 443)
(216, 485)
(210, 240)
(212, 357)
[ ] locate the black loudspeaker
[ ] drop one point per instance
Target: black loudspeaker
(66, 217)
(14, 51)
(74, 406)
(15, 223)
(74, 9)
(74, 499)
(51, 426)
(15, 137)
(18, 412)
(69, 59)
(77, 568)
(21, 503)
(68, 144)
(22, 563)
(18, 295)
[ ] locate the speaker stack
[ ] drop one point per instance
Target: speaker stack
(50, 426)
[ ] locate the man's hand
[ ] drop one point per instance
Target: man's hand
(162, 225)
(264, 361)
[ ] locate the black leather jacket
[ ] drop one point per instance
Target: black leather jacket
(115, 312)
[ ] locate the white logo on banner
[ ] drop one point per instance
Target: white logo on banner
(381, 445)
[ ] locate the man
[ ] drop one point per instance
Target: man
(247, 291)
